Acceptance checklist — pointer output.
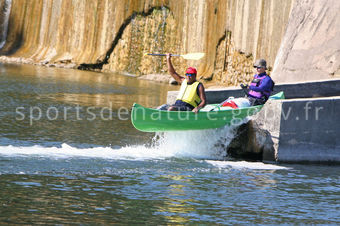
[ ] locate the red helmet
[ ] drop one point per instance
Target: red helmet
(191, 70)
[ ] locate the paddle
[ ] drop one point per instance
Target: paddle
(217, 106)
(188, 56)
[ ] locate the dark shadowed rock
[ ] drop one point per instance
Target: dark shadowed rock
(251, 142)
(258, 139)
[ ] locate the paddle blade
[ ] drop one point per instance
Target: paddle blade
(193, 56)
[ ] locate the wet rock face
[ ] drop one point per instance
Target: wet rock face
(241, 147)
(5, 8)
(113, 35)
(251, 142)
(258, 139)
(310, 49)
(301, 36)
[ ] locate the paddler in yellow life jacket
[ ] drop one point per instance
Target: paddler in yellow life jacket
(191, 96)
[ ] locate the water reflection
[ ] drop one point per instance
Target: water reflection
(55, 105)
(85, 87)
(177, 202)
(61, 200)
(263, 181)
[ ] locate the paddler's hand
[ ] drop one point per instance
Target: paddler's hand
(195, 110)
(244, 86)
(168, 56)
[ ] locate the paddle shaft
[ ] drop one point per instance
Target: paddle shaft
(161, 54)
(188, 56)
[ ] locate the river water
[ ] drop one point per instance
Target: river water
(69, 155)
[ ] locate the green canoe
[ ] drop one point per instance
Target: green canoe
(153, 120)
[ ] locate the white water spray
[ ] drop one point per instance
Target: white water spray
(199, 144)
(202, 144)
(246, 165)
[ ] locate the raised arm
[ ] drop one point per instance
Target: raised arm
(172, 71)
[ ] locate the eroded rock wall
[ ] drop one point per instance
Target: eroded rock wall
(112, 35)
(5, 8)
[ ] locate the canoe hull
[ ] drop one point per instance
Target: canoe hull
(153, 120)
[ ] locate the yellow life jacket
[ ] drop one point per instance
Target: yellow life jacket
(188, 93)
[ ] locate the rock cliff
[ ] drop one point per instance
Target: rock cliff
(112, 35)
(310, 49)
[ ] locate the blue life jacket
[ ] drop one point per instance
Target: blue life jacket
(265, 91)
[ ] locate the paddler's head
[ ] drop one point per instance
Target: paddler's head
(190, 75)
(260, 66)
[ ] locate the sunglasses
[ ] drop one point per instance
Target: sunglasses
(187, 74)
(258, 67)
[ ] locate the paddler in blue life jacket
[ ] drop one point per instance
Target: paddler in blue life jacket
(261, 86)
(191, 96)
